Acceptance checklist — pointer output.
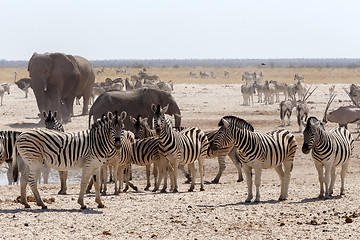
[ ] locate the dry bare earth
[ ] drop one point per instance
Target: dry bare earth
(217, 213)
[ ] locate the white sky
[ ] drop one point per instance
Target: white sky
(158, 29)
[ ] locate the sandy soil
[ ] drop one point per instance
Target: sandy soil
(217, 213)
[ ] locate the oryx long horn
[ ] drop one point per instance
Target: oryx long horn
(331, 99)
(306, 96)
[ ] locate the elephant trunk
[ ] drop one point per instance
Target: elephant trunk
(177, 120)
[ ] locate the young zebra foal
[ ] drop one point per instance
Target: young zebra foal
(88, 150)
(330, 149)
(258, 151)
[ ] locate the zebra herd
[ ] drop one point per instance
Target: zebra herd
(269, 91)
(169, 149)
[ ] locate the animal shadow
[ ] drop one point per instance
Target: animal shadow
(24, 125)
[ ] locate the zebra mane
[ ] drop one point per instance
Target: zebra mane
(311, 121)
(237, 122)
(137, 123)
(100, 122)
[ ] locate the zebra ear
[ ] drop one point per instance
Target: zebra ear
(44, 114)
(55, 114)
(122, 115)
(225, 123)
(132, 119)
(165, 108)
(144, 119)
(110, 115)
(153, 108)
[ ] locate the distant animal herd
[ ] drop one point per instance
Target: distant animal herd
(133, 127)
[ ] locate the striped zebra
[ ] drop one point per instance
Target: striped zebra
(259, 151)
(143, 130)
(8, 139)
(88, 150)
(120, 162)
(183, 147)
(330, 149)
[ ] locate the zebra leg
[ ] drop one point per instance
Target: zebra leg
(248, 175)
(45, 173)
(319, 168)
(97, 182)
(121, 177)
(192, 171)
(222, 166)
(63, 177)
(103, 179)
(91, 182)
(86, 173)
(233, 154)
(258, 171)
(34, 174)
(332, 180)
(23, 183)
(186, 174)
(148, 184)
(160, 177)
(201, 171)
(343, 172)
(327, 179)
(174, 165)
(155, 172)
(115, 178)
(280, 172)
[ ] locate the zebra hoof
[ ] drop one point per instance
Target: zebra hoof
(26, 205)
(163, 191)
(64, 193)
(103, 193)
(202, 189)
(215, 181)
(190, 190)
(44, 207)
(83, 207)
(175, 191)
(147, 188)
(240, 180)
(101, 205)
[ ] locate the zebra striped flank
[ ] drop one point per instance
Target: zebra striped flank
(259, 151)
(87, 149)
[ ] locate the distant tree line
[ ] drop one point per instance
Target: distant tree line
(230, 63)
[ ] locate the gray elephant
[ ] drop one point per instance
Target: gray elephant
(57, 79)
(135, 102)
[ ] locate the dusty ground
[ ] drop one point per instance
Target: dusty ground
(217, 213)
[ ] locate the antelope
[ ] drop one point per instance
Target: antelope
(343, 115)
(302, 110)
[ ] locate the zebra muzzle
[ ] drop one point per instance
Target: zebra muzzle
(305, 148)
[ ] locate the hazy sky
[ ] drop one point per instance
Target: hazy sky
(146, 29)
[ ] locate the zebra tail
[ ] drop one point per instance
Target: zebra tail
(15, 166)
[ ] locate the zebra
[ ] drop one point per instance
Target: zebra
(259, 151)
(248, 90)
(143, 130)
(8, 139)
(87, 149)
(183, 147)
(330, 149)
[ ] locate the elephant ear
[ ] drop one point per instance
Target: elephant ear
(65, 63)
(30, 61)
